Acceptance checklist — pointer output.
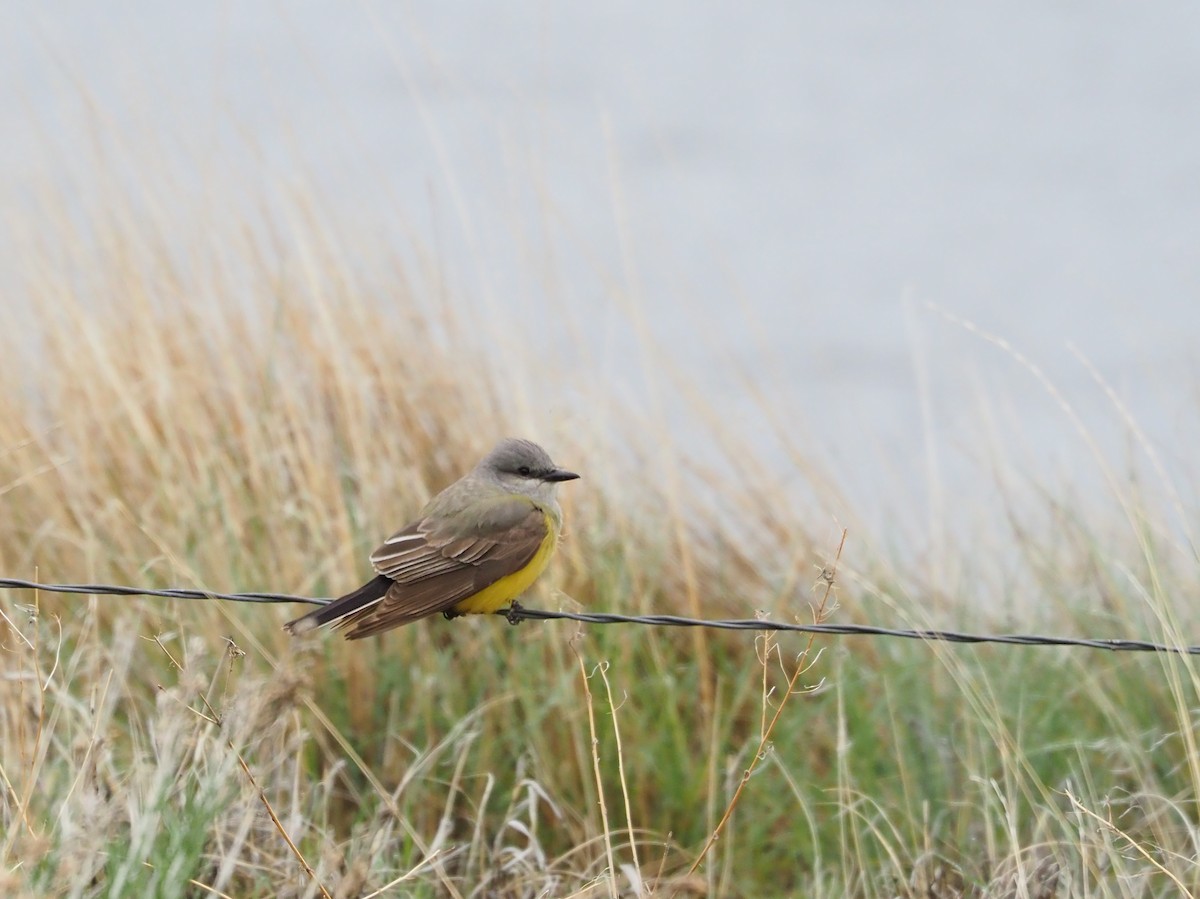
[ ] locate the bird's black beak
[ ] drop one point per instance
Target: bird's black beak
(559, 474)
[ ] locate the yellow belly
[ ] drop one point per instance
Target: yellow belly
(499, 594)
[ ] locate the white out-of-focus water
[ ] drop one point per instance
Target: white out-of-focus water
(775, 192)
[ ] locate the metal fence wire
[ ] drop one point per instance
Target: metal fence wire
(519, 613)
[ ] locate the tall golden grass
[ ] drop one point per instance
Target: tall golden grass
(254, 411)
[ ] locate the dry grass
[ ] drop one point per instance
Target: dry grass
(237, 417)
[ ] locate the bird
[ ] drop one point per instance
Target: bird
(472, 549)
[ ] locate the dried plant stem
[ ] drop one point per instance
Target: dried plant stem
(828, 576)
(621, 774)
(16, 799)
(39, 749)
(1133, 843)
(215, 718)
(608, 850)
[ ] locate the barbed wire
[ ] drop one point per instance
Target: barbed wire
(8, 583)
(518, 613)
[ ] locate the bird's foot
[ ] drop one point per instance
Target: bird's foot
(513, 614)
(450, 614)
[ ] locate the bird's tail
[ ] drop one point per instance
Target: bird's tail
(365, 596)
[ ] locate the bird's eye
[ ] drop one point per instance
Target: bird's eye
(524, 471)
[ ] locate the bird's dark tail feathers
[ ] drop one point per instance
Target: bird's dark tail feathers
(366, 595)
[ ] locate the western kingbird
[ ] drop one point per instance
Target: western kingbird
(475, 546)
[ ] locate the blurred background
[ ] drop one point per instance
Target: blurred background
(790, 220)
(271, 274)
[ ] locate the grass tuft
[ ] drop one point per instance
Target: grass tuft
(255, 410)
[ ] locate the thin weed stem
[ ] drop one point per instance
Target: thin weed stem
(213, 718)
(828, 576)
(603, 669)
(608, 849)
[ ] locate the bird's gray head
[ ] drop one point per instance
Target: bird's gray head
(522, 466)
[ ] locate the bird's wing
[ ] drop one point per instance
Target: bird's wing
(434, 569)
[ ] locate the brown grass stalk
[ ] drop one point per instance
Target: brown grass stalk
(828, 577)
